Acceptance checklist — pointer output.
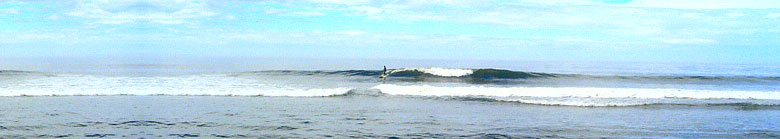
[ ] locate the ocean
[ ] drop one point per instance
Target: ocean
(473, 99)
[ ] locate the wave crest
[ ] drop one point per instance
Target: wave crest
(572, 96)
(488, 74)
(574, 92)
(282, 92)
(443, 72)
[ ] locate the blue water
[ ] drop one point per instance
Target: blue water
(314, 98)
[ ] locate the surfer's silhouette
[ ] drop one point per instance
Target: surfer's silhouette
(384, 73)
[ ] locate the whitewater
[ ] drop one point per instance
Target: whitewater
(412, 102)
(490, 84)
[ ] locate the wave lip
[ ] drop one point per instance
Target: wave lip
(444, 72)
(575, 95)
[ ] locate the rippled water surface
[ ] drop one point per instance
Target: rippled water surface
(539, 100)
(366, 117)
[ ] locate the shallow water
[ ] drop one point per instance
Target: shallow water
(366, 116)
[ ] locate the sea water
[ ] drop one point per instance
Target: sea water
(466, 100)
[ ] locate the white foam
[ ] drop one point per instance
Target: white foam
(160, 91)
(178, 85)
(643, 93)
(440, 71)
(582, 101)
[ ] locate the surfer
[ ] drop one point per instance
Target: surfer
(384, 73)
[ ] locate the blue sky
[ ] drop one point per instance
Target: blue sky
(572, 30)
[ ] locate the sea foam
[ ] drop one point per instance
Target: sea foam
(584, 96)
(289, 92)
(202, 84)
(427, 90)
(445, 72)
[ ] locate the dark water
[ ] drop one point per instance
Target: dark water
(522, 78)
(366, 117)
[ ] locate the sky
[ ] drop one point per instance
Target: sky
(714, 31)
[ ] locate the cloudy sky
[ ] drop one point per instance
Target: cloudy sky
(589, 30)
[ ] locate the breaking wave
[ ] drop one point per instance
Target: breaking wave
(574, 92)
(364, 83)
(579, 96)
(443, 72)
(488, 74)
(317, 92)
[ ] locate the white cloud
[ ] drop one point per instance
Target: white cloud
(374, 39)
(351, 32)
(671, 4)
(275, 11)
(735, 14)
(685, 41)
(243, 36)
(707, 4)
(285, 12)
(534, 22)
(573, 39)
(176, 12)
(54, 17)
(638, 21)
(42, 36)
(406, 37)
(424, 16)
(774, 15)
(169, 22)
(347, 2)
(114, 21)
(501, 18)
(230, 17)
(559, 2)
(691, 15)
(9, 11)
(399, 12)
(307, 14)
(463, 37)
(366, 10)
